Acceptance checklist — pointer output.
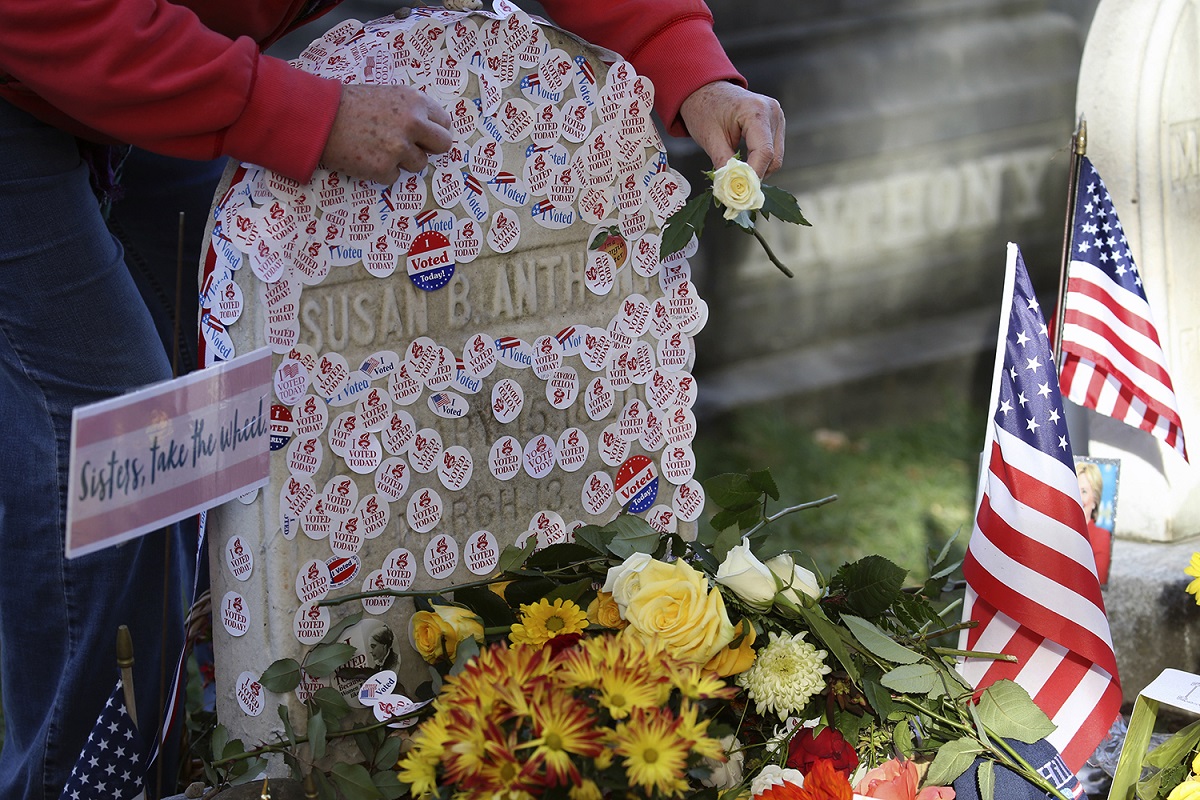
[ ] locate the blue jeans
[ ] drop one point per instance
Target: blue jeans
(75, 328)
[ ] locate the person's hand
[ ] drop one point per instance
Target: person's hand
(380, 130)
(720, 115)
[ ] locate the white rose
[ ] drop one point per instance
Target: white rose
(726, 774)
(775, 775)
(793, 577)
(622, 581)
(749, 578)
(737, 187)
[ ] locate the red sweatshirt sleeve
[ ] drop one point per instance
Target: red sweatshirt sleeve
(669, 41)
(149, 73)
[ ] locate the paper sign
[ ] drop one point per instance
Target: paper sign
(166, 452)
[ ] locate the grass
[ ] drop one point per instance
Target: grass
(904, 487)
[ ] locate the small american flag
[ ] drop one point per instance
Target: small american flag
(112, 763)
(585, 69)
(472, 183)
(531, 80)
(1113, 361)
(505, 342)
(1031, 575)
(565, 334)
(441, 400)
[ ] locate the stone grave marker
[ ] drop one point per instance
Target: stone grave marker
(478, 354)
(1139, 88)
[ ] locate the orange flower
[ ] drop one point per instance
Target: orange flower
(897, 780)
(824, 782)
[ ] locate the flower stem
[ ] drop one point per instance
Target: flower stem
(771, 253)
(950, 651)
(791, 510)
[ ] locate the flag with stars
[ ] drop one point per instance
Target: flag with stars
(1113, 361)
(1031, 575)
(113, 763)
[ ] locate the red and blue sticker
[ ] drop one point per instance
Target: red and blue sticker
(637, 484)
(430, 261)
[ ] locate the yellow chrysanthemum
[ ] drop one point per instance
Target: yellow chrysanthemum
(693, 728)
(623, 690)
(585, 790)
(655, 755)
(1193, 570)
(419, 772)
(503, 772)
(564, 727)
(543, 620)
(698, 682)
(578, 669)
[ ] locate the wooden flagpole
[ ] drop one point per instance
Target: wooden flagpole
(125, 664)
(1078, 149)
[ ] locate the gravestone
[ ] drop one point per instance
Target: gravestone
(1139, 89)
(479, 354)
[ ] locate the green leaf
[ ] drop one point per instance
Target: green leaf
(388, 753)
(765, 484)
(325, 658)
(985, 774)
(685, 223)
(594, 538)
(220, 737)
(487, 605)
(879, 698)
(634, 535)
(512, 557)
(354, 782)
(780, 204)
(325, 790)
(706, 558)
(282, 676)
(732, 490)
(467, 649)
(249, 769)
(316, 735)
(234, 747)
(557, 556)
(388, 784)
(286, 718)
(1007, 711)
(337, 629)
(902, 738)
(726, 540)
(912, 679)
(528, 590)
(330, 702)
(878, 642)
(830, 636)
(952, 759)
(1181, 744)
(871, 584)
(725, 519)
(571, 591)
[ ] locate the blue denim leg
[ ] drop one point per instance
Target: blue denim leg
(73, 330)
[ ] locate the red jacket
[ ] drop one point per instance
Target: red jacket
(188, 79)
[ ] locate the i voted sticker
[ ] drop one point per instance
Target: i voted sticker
(481, 553)
(600, 399)
(505, 458)
(375, 582)
(430, 261)
(400, 569)
(312, 581)
(311, 623)
(688, 500)
(613, 448)
(539, 456)
(441, 557)
(563, 387)
(636, 484)
(373, 513)
(597, 493)
(573, 449)
(507, 400)
(233, 614)
(678, 464)
(455, 468)
(448, 405)
(424, 510)
(547, 357)
(392, 479)
(425, 450)
(251, 695)
(398, 433)
(239, 558)
(662, 519)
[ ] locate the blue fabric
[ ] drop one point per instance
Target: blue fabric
(75, 329)
(1043, 757)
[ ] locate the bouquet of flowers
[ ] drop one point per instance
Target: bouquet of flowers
(630, 661)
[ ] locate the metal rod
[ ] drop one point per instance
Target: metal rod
(1078, 149)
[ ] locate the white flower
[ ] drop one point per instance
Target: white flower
(793, 577)
(622, 580)
(748, 577)
(737, 187)
(726, 774)
(774, 775)
(785, 675)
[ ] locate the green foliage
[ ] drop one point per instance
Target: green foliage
(1006, 709)
(870, 585)
(685, 223)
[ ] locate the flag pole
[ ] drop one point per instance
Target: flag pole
(1078, 149)
(125, 664)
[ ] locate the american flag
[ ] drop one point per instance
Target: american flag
(1031, 575)
(505, 342)
(441, 400)
(112, 763)
(1113, 361)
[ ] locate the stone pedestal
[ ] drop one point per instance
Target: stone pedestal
(1139, 89)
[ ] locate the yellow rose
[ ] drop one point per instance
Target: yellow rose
(737, 187)
(1188, 790)
(604, 611)
(673, 608)
(735, 660)
(435, 634)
